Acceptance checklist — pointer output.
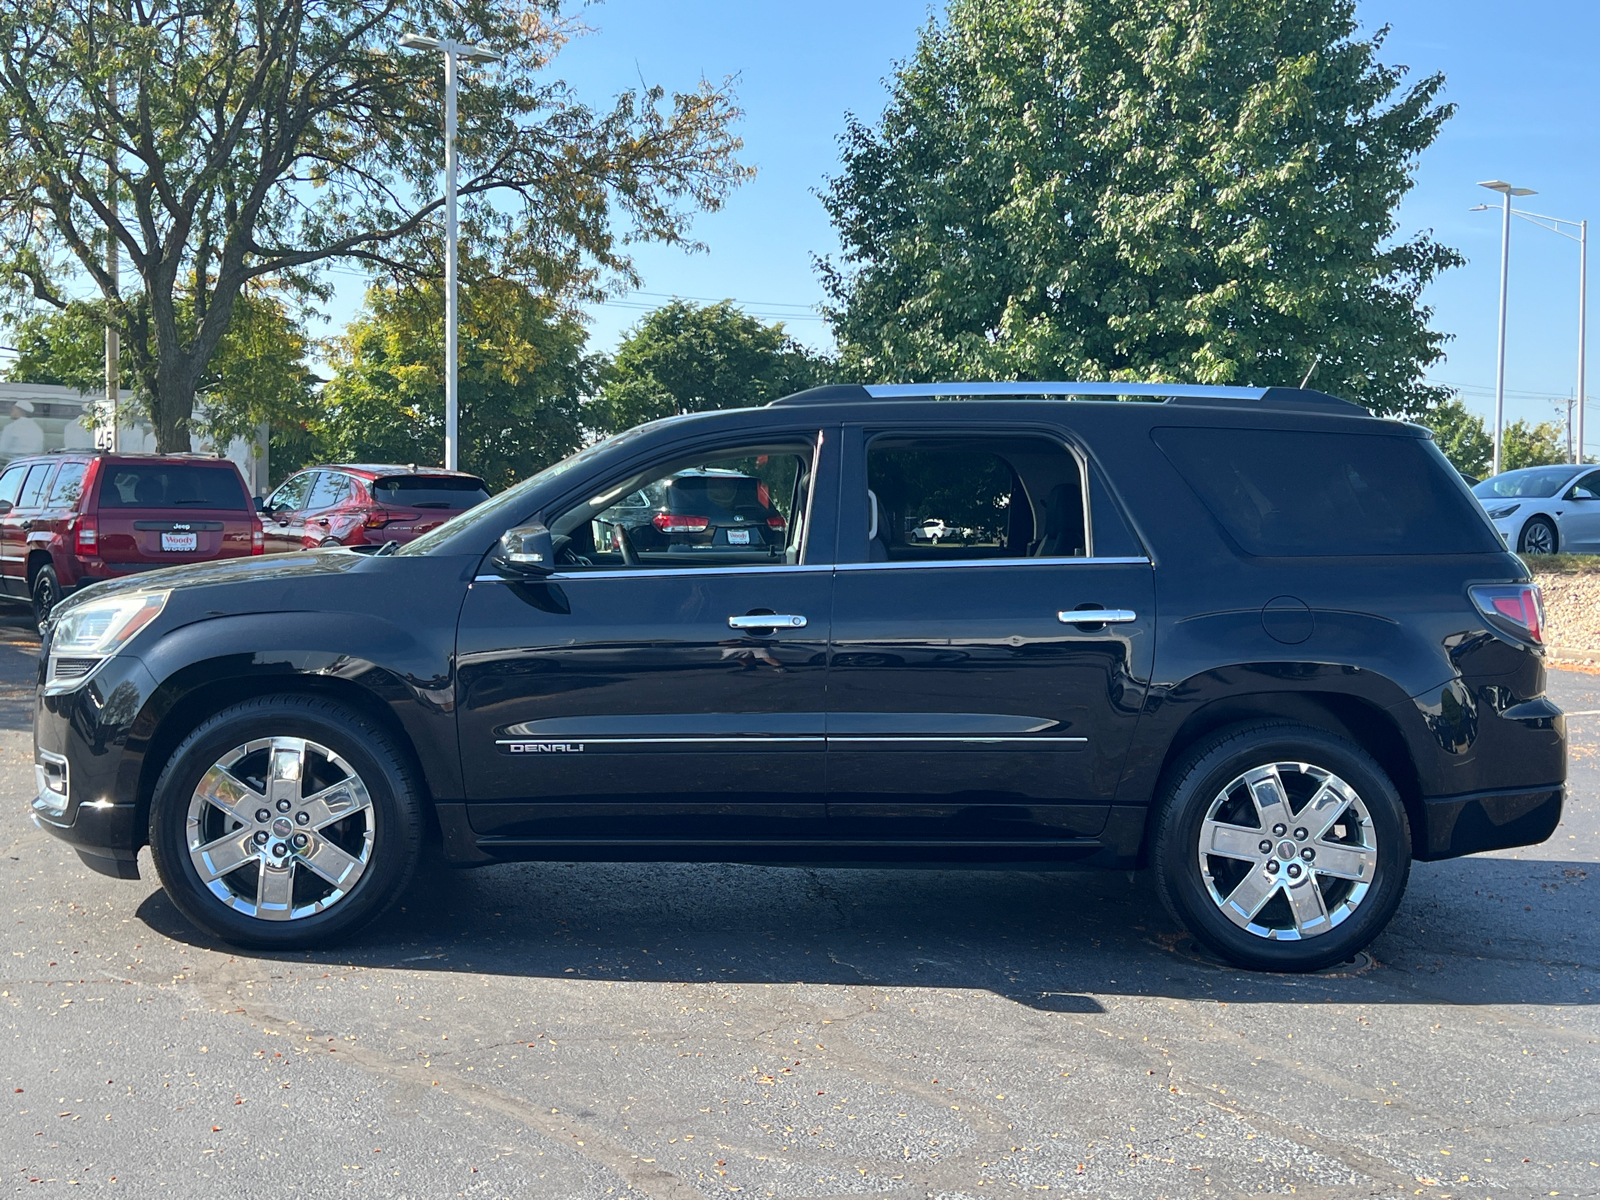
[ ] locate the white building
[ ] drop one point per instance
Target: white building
(36, 417)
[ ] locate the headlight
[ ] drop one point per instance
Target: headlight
(91, 633)
(1504, 511)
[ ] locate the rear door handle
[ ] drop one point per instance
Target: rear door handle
(767, 621)
(1097, 616)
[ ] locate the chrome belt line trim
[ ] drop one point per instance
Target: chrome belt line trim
(659, 572)
(654, 573)
(925, 565)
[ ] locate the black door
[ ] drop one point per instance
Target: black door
(667, 689)
(968, 702)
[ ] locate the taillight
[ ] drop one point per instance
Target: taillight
(674, 523)
(1518, 605)
(777, 522)
(88, 540)
(375, 520)
(257, 536)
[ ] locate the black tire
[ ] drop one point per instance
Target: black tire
(393, 822)
(1539, 536)
(1201, 780)
(46, 595)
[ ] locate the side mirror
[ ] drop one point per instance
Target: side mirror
(261, 504)
(5, 507)
(526, 550)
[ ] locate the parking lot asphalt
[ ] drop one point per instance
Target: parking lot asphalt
(594, 1030)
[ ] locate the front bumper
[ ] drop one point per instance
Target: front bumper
(89, 731)
(1497, 820)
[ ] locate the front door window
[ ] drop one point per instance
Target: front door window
(739, 508)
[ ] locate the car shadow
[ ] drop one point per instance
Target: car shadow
(1471, 931)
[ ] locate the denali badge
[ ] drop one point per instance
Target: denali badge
(543, 747)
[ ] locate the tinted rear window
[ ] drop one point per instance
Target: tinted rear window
(719, 498)
(1313, 494)
(429, 491)
(186, 486)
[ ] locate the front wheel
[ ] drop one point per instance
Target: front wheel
(285, 822)
(1538, 537)
(46, 595)
(1281, 847)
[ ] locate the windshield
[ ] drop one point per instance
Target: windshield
(1530, 481)
(514, 498)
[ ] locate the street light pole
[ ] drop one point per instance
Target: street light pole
(1554, 225)
(453, 52)
(1583, 301)
(1506, 192)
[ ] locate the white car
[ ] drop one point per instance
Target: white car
(1545, 510)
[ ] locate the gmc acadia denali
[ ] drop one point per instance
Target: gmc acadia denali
(1254, 639)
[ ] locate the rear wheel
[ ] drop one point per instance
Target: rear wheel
(285, 822)
(46, 595)
(1281, 847)
(1538, 537)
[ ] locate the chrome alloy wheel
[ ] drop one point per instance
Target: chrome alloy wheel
(280, 828)
(1288, 851)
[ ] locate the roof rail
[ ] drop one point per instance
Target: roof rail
(1172, 393)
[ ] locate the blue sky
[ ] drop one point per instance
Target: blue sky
(1523, 80)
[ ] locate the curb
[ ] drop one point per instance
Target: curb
(1571, 654)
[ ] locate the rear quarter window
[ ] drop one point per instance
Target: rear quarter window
(184, 487)
(1301, 494)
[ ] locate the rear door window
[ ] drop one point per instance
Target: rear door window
(183, 487)
(429, 491)
(936, 498)
(68, 486)
(1301, 494)
(33, 489)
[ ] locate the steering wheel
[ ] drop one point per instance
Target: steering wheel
(629, 557)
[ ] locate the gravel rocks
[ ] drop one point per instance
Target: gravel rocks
(1572, 615)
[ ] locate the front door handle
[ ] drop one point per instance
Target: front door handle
(767, 621)
(1097, 616)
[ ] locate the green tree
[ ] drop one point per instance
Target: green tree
(1162, 190)
(266, 139)
(257, 375)
(1525, 445)
(1462, 435)
(693, 358)
(522, 378)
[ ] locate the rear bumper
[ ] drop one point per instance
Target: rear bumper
(1497, 820)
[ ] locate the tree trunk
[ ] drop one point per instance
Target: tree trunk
(171, 407)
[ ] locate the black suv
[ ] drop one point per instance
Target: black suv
(1255, 639)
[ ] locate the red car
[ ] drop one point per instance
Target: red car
(364, 504)
(73, 518)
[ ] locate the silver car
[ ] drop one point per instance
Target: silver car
(1545, 510)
